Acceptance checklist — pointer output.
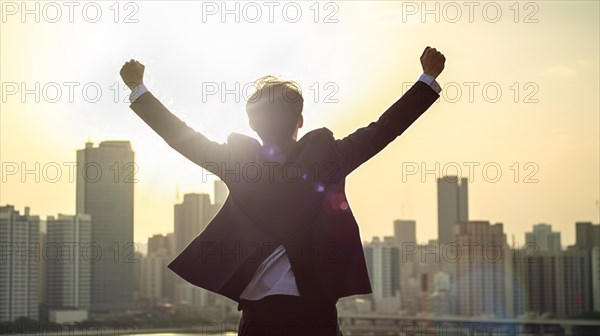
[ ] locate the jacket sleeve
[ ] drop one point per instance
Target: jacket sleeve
(191, 144)
(358, 147)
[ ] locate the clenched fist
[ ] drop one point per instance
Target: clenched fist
(132, 73)
(432, 62)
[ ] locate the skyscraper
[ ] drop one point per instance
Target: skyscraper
(191, 218)
(157, 280)
(536, 281)
(587, 235)
(452, 206)
(405, 238)
(68, 270)
(19, 259)
(405, 231)
(105, 180)
(159, 244)
(576, 288)
(480, 269)
(544, 238)
(587, 241)
(383, 265)
(550, 282)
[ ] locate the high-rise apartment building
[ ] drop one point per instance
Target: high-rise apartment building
(383, 265)
(19, 264)
(480, 269)
(68, 269)
(544, 238)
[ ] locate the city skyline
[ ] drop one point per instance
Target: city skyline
(218, 194)
(407, 277)
(216, 197)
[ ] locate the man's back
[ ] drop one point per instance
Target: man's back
(293, 196)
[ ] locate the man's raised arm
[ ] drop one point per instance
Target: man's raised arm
(191, 144)
(358, 147)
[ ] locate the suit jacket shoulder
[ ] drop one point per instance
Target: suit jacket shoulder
(239, 138)
(320, 133)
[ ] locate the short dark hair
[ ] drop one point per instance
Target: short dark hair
(274, 107)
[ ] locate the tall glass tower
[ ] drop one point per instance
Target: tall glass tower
(452, 206)
(105, 181)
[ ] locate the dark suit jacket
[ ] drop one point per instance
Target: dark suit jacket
(293, 197)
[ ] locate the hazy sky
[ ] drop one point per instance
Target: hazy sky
(521, 86)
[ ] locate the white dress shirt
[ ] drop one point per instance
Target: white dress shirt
(274, 275)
